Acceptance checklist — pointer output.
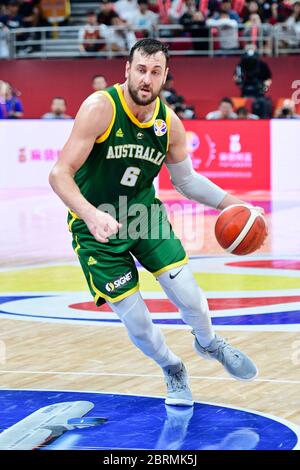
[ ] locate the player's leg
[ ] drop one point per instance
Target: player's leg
(113, 277)
(134, 314)
(165, 254)
(166, 259)
(182, 289)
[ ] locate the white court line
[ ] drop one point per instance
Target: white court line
(112, 374)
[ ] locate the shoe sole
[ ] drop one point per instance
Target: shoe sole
(178, 402)
(209, 358)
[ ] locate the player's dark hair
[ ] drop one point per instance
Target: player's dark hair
(149, 46)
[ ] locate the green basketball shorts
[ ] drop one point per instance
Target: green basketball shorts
(110, 268)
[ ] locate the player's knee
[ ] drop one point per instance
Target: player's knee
(183, 289)
(134, 315)
(138, 326)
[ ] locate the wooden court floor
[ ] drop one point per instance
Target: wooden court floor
(53, 338)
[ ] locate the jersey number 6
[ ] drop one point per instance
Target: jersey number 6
(130, 176)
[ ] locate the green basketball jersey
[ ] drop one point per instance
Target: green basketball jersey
(127, 157)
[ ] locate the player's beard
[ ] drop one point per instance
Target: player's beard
(135, 96)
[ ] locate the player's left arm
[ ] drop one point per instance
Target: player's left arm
(185, 179)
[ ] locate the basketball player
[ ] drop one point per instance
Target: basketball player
(120, 139)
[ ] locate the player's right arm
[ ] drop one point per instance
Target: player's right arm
(92, 120)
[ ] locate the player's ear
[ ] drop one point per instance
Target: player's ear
(127, 67)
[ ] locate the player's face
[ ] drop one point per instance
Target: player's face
(146, 76)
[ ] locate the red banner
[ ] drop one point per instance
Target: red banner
(233, 154)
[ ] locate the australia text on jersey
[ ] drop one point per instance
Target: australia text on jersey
(135, 151)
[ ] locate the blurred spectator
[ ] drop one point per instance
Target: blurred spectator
(287, 110)
(184, 111)
(251, 27)
(255, 31)
(175, 101)
(225, 110)
(91, 32)
(243, 113)
(120, 40)
(10, 103)
(99, 83)
(29, 12)
(144, 19)
(23, 14)
(126, 9)
(227, 31)
(193, 22)
(177, 9)
(107, 14)
(56, 11)
(4, 35)
(58, 109)
(252, 7)
(252, 74)
(226, 7)
(12, 19)
(276, 11)
(168, 92)
(293, 26)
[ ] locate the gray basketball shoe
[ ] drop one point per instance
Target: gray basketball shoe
(237, 364)
(179, 393)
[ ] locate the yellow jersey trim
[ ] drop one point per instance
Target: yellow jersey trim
(168, 122)
(74, 217)
(171, 266)
(107, 297)
(77, 246)
(104, 136)
(129, 113)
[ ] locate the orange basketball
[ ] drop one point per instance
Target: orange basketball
(240, 229)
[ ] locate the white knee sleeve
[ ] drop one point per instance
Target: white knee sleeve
(182, 289)
(134, 314)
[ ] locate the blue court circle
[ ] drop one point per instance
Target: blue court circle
(138, 422)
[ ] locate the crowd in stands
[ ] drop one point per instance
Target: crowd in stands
(135, 18)
(16, 14)
(11, 106)
(116, 25)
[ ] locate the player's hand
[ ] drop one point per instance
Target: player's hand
(102, 225)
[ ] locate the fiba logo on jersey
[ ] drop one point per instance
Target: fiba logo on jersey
(160, 127)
